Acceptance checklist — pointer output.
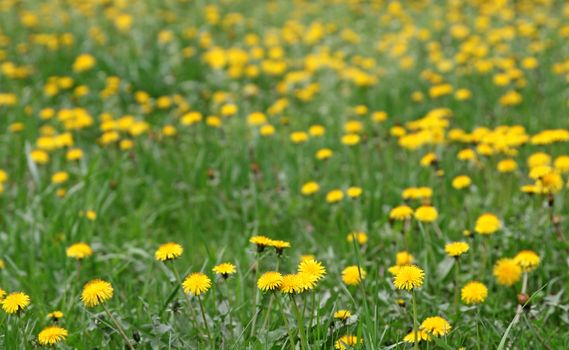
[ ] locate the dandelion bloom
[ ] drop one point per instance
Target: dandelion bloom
(353, 275)
(15, 302)
(324, 153)
(401, 213)
(96, 292)
(334, 196)
(354, 192)
(196, 284)
(279, 245)
(360, 237)
(347, 341)
(419, 337)
(168, 251)
(342, 314)
(2, 294)
(461, 181)
(310, 188)
(261, 242)
(292, 284)
(436, 326)
(270, 281)
(52, 335)
(2, 264)
(403, 258)
(426, 213)
(487, 224)
(456, 249)
(473, 293)
(79, 251)
(527, 259)
(507, 272)
(224, 269)
(312, 268)
(55, 315)
(507, 166)
(409, 277)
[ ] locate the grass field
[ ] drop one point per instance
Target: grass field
(358, 164)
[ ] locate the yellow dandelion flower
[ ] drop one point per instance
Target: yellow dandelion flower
(79, 251)
(426, 213)
(2, 264)
(312, 268)
(401, 213)
(15, 302)
(334, 196)
(168, 251)
(461, 181)
(419, 337)
(360, 237)
(224, 269)
(474, 293)
(96, 292)
(52, 335)
(310, 188)
(393, 270)
(403, 258)
(2, 294)
(292, 284)
(279, 245)
(436, 326)
(196, 284)
(270, 281)
(342, 314)
(354, 192)
(487, 224)
(409, 277)
(60, 177)
(456, 249)
(347, 341)
(55, 315)
(352, 275)
(507, 272)
(527, 259)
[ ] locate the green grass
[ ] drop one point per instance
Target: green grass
(211, 189)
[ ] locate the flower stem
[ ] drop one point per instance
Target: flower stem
(415, 335)
(456, 274)
(300, 324)
(256, 298)
(205, 321)
(119, 328)
(290, 335)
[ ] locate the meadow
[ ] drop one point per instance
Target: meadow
(327, 174)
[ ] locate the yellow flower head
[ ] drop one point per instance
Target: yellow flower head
(461, 181)
(436, 326)
(2, 264)
(347, 341)
(270, 281)
(401, 213)
(168, 251)
(310, 188)
(334, 196)
(15, 302)
(59, 177)
(260, 241)
(196, 284)
(360, 237)
(456, 249)
(342, 314)
(52, 335)
(96, 292)
(474, 293)
(507, 272)
(313, 268)
(487, 224)
(354, 192)
(2, 294)
(79, 251)
(403, 258)
(279, 245)
(419, 337)
(409, 277)
(293, 284)
(527, 259)
(225, 269)
(352, 275)
(426, 213)
(55, 315)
